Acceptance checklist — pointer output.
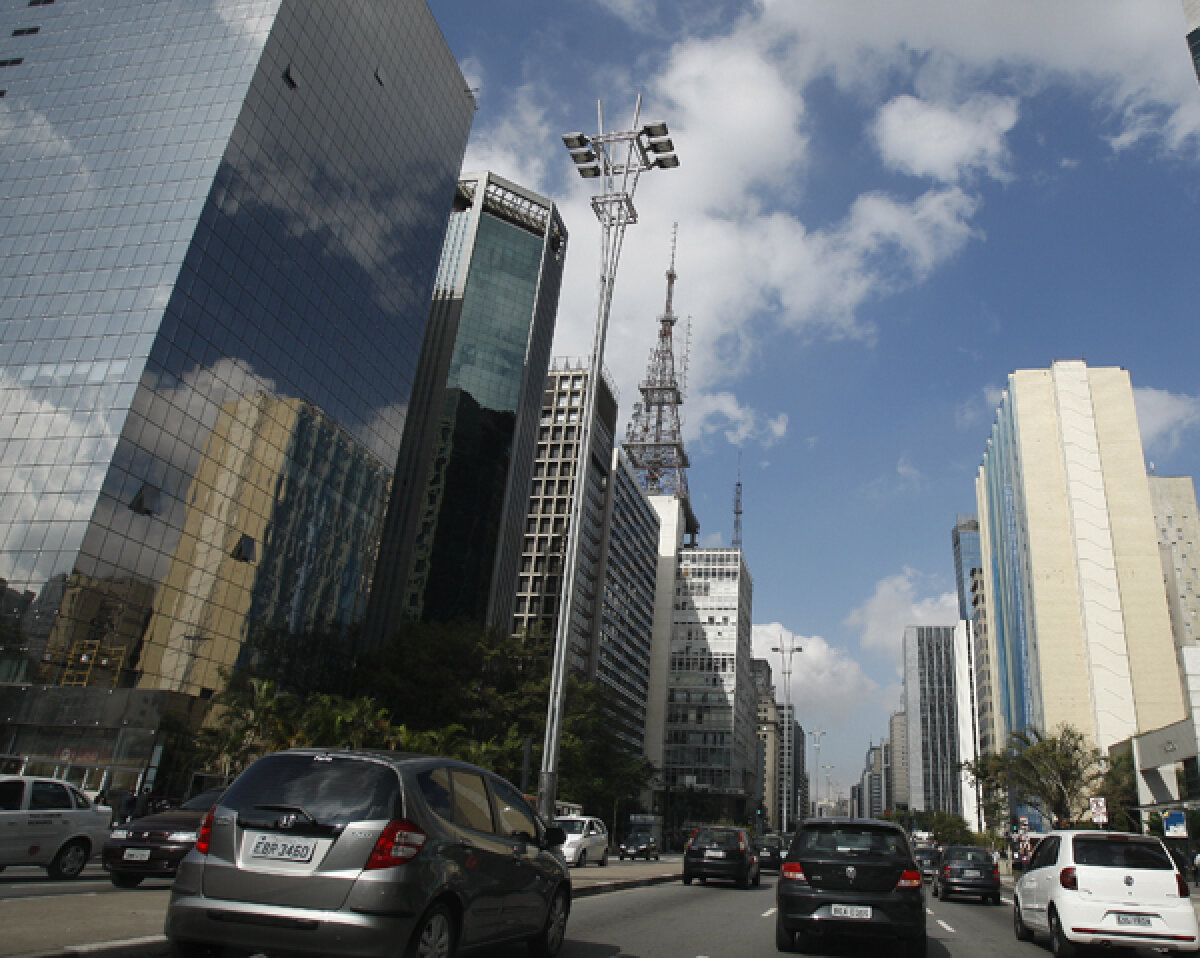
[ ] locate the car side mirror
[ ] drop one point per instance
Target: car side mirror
(554, 836)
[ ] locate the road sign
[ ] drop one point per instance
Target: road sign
(1174, 824)
(1099, 810)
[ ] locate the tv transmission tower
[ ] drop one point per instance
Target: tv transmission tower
(654, 437)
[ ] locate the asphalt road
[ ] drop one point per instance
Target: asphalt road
(626, 910)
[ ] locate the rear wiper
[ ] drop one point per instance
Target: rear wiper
(294, 809)
(295, 818)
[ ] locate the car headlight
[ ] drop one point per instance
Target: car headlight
(119, 833)
(181, 837)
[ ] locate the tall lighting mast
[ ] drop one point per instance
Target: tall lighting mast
(616, 160)
(787, 648)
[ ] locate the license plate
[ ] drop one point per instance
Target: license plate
(713, 853)
(1141, 921)
(136, 855)
(970, 873)
(851, 911)
(282, 850)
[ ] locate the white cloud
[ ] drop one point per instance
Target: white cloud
(1164, 417)
(979, 409)
(882, 618)
(947, 143)
(723, 413)
(827, 685)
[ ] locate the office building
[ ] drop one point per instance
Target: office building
(1078, 626)
(966, 710)
(931, 706)
(898, 767)
(967, 557)
(711, 704)
(767, 784)
(452, 544)
(1191, 13)
(220, 227)
(871, 787)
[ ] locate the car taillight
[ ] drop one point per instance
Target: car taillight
(793, 871)
(1181, 882)
(909, 878)
(741, 844)
(691, 839)
(399, 843)
(204, 834)
(1068, 879)
(946, 871)
(996, 871)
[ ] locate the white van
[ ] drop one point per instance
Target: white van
(44, 821)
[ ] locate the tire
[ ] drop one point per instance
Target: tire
(757, 880)
(933, 890)
(435, 935)
(1059, 944)
(621, 856)
(603, 858)
(125, 879)
(582, 859)
(547, 942)
(69, 861)
(915, 947)
(784, 940)
(1020, 929)
(656, 856)
(995, 899)
(191, 949)
(687, 879)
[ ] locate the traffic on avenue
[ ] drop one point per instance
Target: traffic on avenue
(627, 908)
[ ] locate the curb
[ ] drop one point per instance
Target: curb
(155, 946)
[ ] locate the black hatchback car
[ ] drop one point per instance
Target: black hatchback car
(720, 851)
(967, 870)
(358, 852)
(847, 877)
(154, 845)
(770, 852)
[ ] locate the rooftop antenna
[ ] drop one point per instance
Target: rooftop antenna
(737, 506)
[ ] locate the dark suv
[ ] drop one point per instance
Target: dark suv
(967, 870)
(854, 878)
(322, 852)
(717, 851)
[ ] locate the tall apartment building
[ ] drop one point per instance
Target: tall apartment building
(793, 784)
(966, 710)
(871, 785)
(1191, 13)
(221, 225)
(982, 649)
(452, 542)
(1078, 627)
(967, 557)
(898, 749)
(770, 733)
(711, 704)
(930, 703)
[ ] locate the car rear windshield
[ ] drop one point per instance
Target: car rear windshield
(975, 856)
(770, 841)
(325, 789)
(718, 837)
(1120, 853)
(851, 840)
(572, 826)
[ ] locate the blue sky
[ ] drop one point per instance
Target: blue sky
(884, 209)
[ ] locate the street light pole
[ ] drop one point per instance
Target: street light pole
(617, 160)
(816, 784)
(787, 648)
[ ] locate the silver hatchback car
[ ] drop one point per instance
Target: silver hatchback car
(345, 852)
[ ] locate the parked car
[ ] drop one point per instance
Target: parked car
(1104, 888)
(719, 851)
(318, 852)
(770, 852)
(44, 821)
(967, 870)
(854, 878)
(153, 846)
(587, 840)
(638, 845)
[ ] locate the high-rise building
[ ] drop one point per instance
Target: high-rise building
(1078, 627)
(1191, 12)
(966, 710)
(967, 557)
(711, 705)
(220, 227)
(452, 543)
(871, 787)
(898, 748)
(768, 786)
(930, 702)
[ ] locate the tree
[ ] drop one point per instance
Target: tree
(1057, 774)
(989, 773)
(1119, 788)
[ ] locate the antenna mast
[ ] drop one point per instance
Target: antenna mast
(737, 506)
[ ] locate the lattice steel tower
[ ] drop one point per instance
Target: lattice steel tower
(654, 438)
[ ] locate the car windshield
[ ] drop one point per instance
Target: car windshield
(858, 840)
(638, 837)
(974, 856)
(925, 854)
(770, 841)
(325, 789)
(720, 837)
(572, 826)
(1120, 853)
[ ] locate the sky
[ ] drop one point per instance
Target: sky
(883, 210)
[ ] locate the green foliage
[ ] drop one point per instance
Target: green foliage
(1057, 773)
(1119, 788)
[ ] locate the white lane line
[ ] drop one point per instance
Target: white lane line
(946, 927)
(1007, 901)
(769, 912)
(929, 911)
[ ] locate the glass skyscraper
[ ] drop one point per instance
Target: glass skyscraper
(453, 540)
(219, 227)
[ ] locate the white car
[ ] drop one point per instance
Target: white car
(1104, 888)
(587, 840)
(44, 821)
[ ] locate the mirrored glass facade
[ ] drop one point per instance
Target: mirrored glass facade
(219, 227)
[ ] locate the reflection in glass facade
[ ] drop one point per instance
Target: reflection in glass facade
(453, 538)
(219, 227)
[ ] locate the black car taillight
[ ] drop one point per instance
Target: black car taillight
(204, 833)
(399, 843)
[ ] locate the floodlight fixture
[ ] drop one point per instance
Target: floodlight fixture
(655, 129)
(575, 141)
(589, 172)
(585, 155)
(668, 161)
(661, 145)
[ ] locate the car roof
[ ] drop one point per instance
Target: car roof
(874, 822)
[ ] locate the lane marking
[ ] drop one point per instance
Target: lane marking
(929, 911)
(769, 912)
(946, 927)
